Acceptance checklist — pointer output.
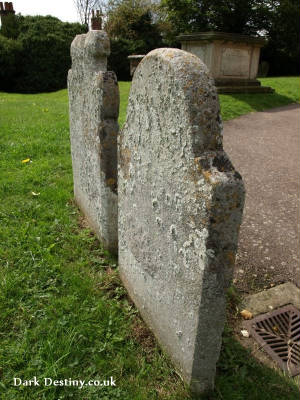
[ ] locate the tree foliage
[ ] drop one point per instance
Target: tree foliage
(277, 19)
(236, 16)
(283, 49)
(39, 58)
(132, 29)
(9, 27)
(130, 19)
(10, 58)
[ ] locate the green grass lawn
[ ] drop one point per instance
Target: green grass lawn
(63, 311)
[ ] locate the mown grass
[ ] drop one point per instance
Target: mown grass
(63, 311)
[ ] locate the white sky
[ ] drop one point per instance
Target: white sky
(65, 10)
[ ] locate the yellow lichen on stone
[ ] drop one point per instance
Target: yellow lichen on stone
(169, 54)
(207, 175)
(111, 182)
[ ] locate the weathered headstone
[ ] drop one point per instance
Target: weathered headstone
(94, 109)
(180, 208)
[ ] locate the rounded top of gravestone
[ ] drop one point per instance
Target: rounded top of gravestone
(224, 36)
(92, 45)
(178, 89)
(97, 44)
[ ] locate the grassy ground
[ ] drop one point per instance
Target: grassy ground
(63, 312)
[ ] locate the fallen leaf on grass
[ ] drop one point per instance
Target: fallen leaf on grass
(35, 194)
(246, 314)
(51, 246)
(26, 160)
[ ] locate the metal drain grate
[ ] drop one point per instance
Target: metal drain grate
(278, 332)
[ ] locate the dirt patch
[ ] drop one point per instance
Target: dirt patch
(142, 335)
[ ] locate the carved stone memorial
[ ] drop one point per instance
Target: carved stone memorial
(94, 110)
(231, 58)
(180, 209)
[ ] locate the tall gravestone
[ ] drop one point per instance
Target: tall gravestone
(94, 109)
(180, 208)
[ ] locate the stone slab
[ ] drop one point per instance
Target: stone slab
(94, 109)
(180, 207)
(271, 299)
(134, 60)
(244, 89)
(232, 37)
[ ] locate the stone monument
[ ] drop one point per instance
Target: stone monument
(134, 60)
(94, 110)
(232, 59)
(180, 208)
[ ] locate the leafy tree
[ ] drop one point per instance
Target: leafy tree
(40, 56)
(185, 16)
(133, 20)
(10, 60)
(241, 16)
(9, 27)
(277, 19)
(132, 30)
(283, 49)
(237, 16)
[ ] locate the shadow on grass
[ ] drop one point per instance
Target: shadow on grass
(292, 106)
(241, 377)
(286, 92)
(257, 101)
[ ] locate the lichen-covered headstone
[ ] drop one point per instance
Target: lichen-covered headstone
(180, 208)
(94, 109)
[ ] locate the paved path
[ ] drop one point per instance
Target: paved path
(264, 148)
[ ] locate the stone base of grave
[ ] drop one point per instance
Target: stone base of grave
(241, 86)
(273, 298)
